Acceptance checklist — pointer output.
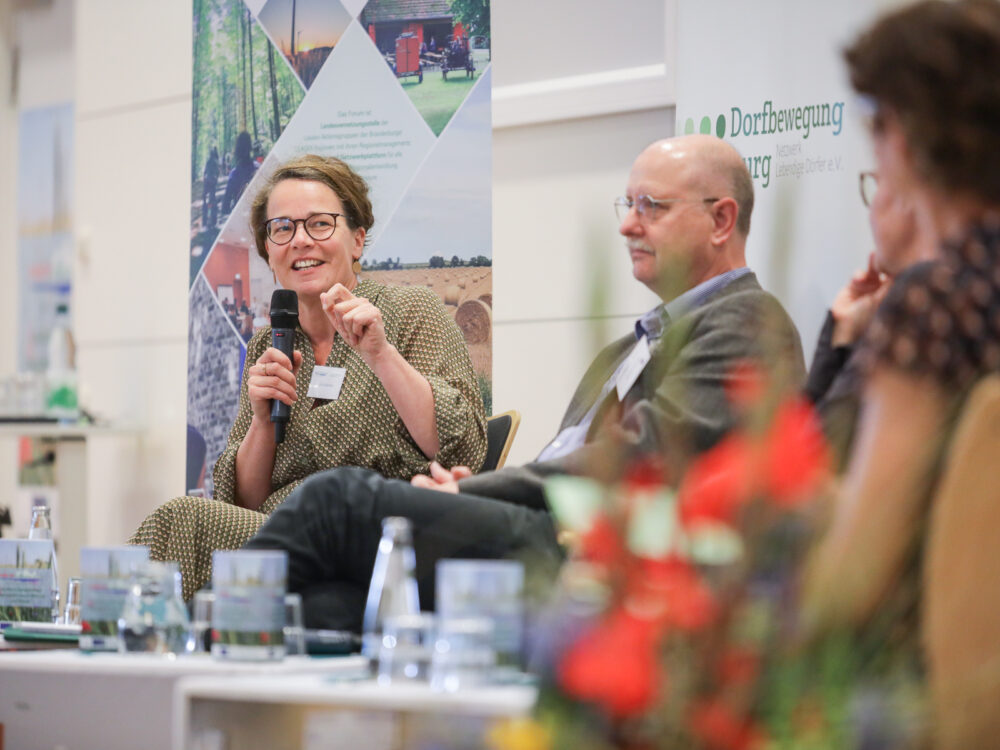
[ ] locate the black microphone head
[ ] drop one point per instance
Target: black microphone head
(284, 308)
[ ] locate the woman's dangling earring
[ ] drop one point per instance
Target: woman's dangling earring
(356, 266)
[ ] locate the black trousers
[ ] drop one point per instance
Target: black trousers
(331, 525)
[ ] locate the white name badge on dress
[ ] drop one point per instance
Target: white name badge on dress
(326, 382)
(629, 370)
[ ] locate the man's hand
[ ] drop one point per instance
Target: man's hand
(441, 479)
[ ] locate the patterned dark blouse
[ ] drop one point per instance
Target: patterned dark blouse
(943, 319)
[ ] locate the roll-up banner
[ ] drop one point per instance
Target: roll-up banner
(769, 78)
(398, 89)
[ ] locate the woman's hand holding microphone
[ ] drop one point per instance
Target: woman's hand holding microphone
(272, 376)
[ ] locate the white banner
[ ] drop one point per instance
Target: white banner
(769, 78)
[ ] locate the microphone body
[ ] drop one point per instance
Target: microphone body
(284, 319)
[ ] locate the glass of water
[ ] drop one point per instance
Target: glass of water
(71, 615)
(154, 618)
(294, 632)
(404, 654)
(463, 653)
(201, 620)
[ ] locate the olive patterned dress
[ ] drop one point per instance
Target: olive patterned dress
(360, 428)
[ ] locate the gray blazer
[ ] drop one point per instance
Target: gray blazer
(678, 406)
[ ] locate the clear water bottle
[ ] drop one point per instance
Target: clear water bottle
(393, 589)
(41, 528)
(41, 520)
(60, 398)
(154, 618)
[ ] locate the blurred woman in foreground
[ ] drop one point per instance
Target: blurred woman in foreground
(931, 76)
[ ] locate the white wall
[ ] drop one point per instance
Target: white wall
(133, 121)
(571, 109)
(554, 182)
(8, 230)
(36, 70)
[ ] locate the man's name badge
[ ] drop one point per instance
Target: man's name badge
(326, 382)
(629, 370)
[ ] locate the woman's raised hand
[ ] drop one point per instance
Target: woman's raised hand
(272, 376)
(855, 304)
(357, 320)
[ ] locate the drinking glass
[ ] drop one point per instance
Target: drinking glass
(71, 615)
(201, 620)
(405, 651)
(294, 632)
(485, 588)
(154, 618)
(463, 653)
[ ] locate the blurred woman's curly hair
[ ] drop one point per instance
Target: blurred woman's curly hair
(935, 66)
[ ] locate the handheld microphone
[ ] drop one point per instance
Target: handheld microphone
(284, 318)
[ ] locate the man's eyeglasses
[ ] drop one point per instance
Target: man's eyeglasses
(868, 182)
(649, 208)
(318, 226)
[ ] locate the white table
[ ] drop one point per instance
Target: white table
(51, 699)
(71, 481)
(308, 711)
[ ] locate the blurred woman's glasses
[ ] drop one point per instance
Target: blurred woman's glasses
(868, 182)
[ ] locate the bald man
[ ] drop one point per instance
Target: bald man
(659, 390)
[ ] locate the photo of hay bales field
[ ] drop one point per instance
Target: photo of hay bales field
(467, 293)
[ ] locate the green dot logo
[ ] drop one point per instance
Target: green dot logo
(705, 126)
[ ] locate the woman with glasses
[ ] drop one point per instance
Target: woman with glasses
(929, 73)
(835, 377)
(408, 393)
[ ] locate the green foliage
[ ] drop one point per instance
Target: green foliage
(102, 627)
(481, 261)
(25, 614)
(437, 99)
(474, 15)
(436, 261)
(456, 262)
(233, 88)
(382, 265)
(249, 637)
(486, 391)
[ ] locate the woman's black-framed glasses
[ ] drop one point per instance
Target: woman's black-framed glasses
(318, 226)
(868, 183)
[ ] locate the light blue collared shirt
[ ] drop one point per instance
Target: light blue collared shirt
(651, 324)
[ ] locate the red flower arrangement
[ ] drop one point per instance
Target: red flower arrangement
(668, 655)
(614, 665)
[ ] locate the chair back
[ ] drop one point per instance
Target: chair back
(961, 577)
(500, 431)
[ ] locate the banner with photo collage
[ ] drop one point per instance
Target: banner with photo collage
(399, 89)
